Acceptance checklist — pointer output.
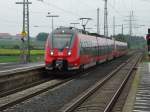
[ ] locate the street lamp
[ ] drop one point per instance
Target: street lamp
(52, 16)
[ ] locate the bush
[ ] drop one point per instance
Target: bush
(16, 47)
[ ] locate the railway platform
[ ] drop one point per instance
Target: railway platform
(6, 68)
(139, 96)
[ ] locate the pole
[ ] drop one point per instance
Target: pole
(130, 23)
(28, 32)
(114, 26)
(23, 49)
(105, 20)
(114, 31)
(52, 24)
(130, 26)
(122, 29)
(23, 16)
(98, 25)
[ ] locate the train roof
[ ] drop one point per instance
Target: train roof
(64, 30)
(68, 30)
(75, 30)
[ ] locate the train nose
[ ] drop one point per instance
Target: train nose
(61, 65)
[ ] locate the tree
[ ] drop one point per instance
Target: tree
(42, 36)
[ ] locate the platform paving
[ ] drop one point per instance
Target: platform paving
(17, 66)
(139, 96)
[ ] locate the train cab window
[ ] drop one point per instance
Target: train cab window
(61, 41)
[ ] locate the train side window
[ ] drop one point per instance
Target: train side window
(102, 49)
(81, 48)
(88, 47)
(85, 47)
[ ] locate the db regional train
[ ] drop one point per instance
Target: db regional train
(69, 49)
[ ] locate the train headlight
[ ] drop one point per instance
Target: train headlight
(69, 53)
(52, 53)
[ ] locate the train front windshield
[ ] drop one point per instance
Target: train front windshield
(61, 41)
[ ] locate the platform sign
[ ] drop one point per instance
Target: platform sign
(24, 34)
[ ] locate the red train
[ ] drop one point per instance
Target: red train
(71, 49)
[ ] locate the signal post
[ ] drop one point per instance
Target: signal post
(25, 37)
(148, 42)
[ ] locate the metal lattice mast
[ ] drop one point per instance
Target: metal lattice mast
(105, 19)
(114, 26)
(25, 31)
(130, 23)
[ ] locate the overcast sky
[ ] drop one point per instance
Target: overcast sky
(70, 11)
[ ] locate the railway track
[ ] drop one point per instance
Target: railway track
(15, 80)
(20, 96)
(15, 97)
(102, 96)
(41, 82)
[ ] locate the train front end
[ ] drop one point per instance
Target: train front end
(62, 51)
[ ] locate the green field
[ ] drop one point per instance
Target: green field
(16, 44)
(13, 55)
(7, 59)
(12, 52)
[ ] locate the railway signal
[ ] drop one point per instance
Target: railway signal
(148, 41)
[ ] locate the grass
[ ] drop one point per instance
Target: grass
(5, 59)
(13, 52)
(13, 55)
(10, 43)
(34, 58)
(9, 50)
